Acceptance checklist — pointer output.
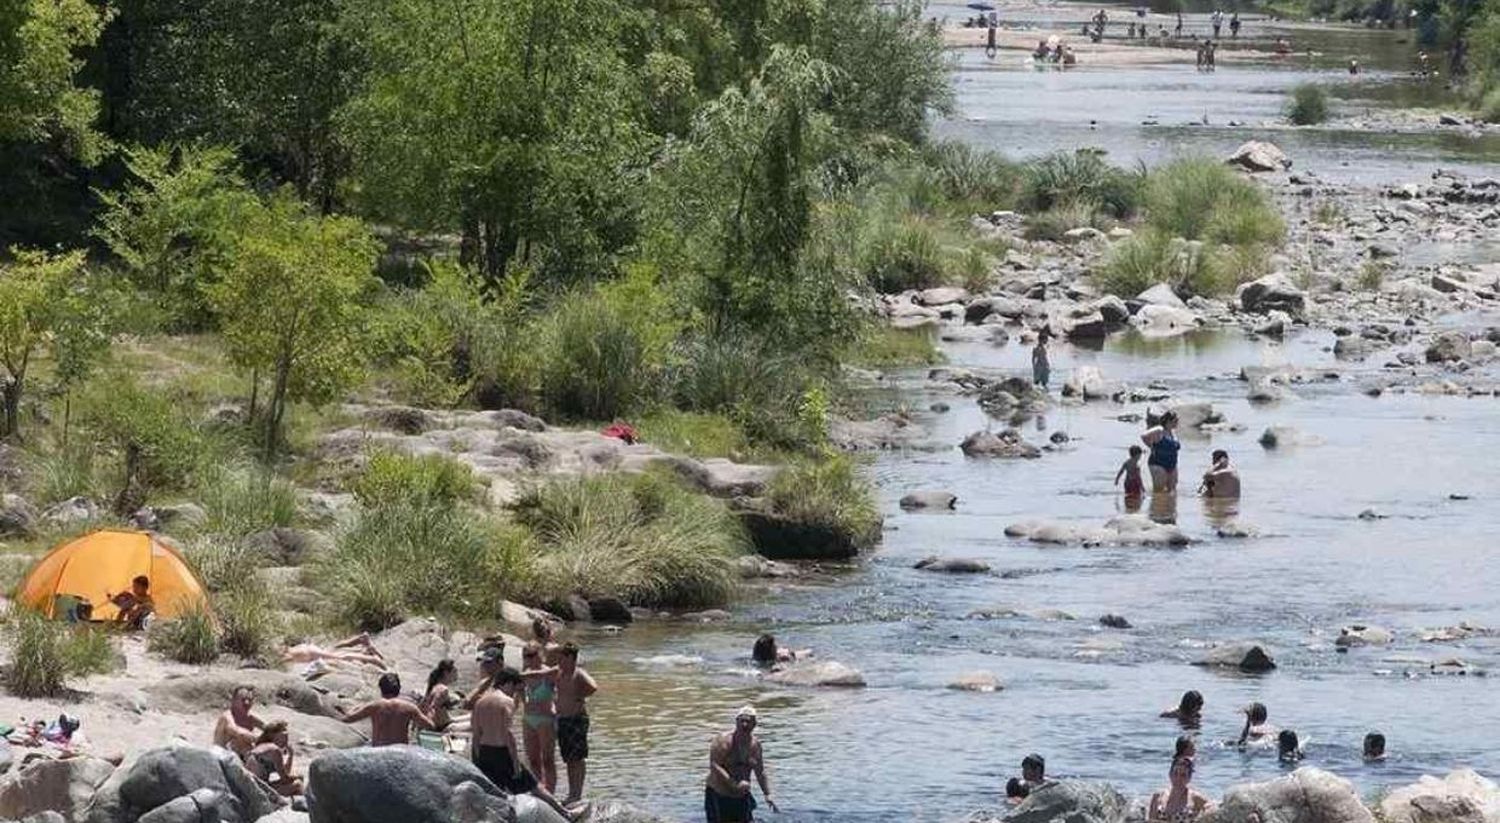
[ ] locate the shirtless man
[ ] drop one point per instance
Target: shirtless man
(495, 751)
(238, 729)
(391, 716)
(1221, 480)
(732, 758)
(574, 686)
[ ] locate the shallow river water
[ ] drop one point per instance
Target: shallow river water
(907, 748)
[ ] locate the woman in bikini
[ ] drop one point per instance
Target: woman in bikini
(439, 700)
(539, 720)
(272, 755)
(1162, 440)
(1178, 802)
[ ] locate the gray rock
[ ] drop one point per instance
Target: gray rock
(284, 816)
(952, 565)
(983, 682)
(283, 545)
(1351, 348)
(1259, 156)
(1006, 307)
(209, 691)
(1271, 293)
(1114, 621)
(160, 776)
(1247, 657)
(17, 517)
(1194, 415)
(72, 512)
(1155, 320)
(1361, 635)
(1307, 795)
(1112, 309)
(44, 817)
(393, 784)
(1006, 444)
(1071, 801)
(818, 674)
(1280, 437)
(201, 806)
(1161, 295)
(399, 419)
(62, 786)
(1448, 347)
(471, 803)
(1086, 324)
(1461, 797)
(942, 295)
(1088, 383)
(940, 500)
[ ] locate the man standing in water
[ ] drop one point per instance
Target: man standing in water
(574, 686)
(494, 751)
(1221, 480)
(1234, 25)
(732, 758)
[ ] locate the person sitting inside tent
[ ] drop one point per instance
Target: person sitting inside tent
(135, 605)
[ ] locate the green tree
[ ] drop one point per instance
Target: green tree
(36, 297)
(40, 46)
(289, 304)
(515, 124)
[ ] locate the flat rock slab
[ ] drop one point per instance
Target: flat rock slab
(821, 674)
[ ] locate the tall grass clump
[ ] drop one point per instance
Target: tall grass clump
(190, 637)
(1201, 199)
(58, 474)
(604, 350)
(770, 394)
(644, 539)
(1489, 106)
(244, 500)
(1308, 105)
(390, 477)
(88, 650)
(908, 255)
(1080, 178)
(38, 661)
(1189, 267)
(974, 179)
(828, 494)
(247, 620)
(223, 562)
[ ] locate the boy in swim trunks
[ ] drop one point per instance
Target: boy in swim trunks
(1131, 471)
(494, 740)
(574, 687)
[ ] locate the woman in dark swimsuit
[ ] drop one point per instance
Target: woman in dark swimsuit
(1164, 445)
(272, 755)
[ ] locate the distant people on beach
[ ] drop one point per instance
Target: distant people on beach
(539, 716)
(1221, 480)
(733, 758)
(1283, 46)
(1162, 440)
(1217, 21)
(356, 649)
(767, 652)
(493, 749)
(439, 700)
(1234, 25)
(1354, 66)
(1178, 33)
(1178, 802)
(1189, 711)
(1130, 472)
(989, 42)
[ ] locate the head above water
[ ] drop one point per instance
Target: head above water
(1287, 744)
(1033, 768)
(1186, 747)
(445, 671)
(390, 685)
(1374, 745)
(1257, 713)
(1191, 703)
(1015, 788)
(764, 650)
(1220, 456)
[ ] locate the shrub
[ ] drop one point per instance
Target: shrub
(1308, 105)
(1328, 213)
(59, 474)
(1136, 264)
(38, 659)
(1056, 222)
(604, 350)
(1192, 267)
(390, 478)
(247, 620)
(244, 500)
(1079, 178)
(1200, 199)
(761, 389)
(1372, 274)
(1489, 106)
(168, 447)
(977, 179)
(190, 637)
(223, 562)
(881, 345)
(907, 256)
(644, 539)
(828, 494)
(89, 650)
(696, 433)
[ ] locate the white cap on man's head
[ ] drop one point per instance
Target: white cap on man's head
(747, 711)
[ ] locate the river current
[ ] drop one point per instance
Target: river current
(908, 748)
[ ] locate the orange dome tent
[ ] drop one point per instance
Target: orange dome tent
(102, 563)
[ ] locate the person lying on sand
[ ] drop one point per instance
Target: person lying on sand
(271, 760)
(356, 649)
(391, 717)
(238, 729)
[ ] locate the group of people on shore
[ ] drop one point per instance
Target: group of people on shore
(548, 695)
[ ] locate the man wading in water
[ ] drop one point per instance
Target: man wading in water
(732, 758)
(574, 686)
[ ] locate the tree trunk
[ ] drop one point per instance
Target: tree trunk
(11, 394)
(67, 417)
(254, 395)
(276, 406)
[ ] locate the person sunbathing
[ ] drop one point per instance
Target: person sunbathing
(356, 649)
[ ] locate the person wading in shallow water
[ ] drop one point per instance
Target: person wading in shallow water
(1162, 440)
(732, 759)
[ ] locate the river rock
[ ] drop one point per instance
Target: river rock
(62, 786)
(1114, 621)
(392, 784)
(610, 811)
(1360, 635)
(942, 295)
(1007, 307)
(1274, 292)
(1161, 295)
(1112, 309)
(72, 512)
(1351, 348)
(1260, 156)
(1307, 795)
(1071, 801)
(284, 816)
(939, 500)
(1155, 320)
(952, 565)
(284, 545)
(777, 537)
(976, 682)
(17, 517)
(1461, 797)
(209, 691)
(1088, 383)
(818, 674)
(1006, 444)
(160, 776)
(1280, 437)
(1448, 347)
(519, 618)
(1264, 391)
(1189, 415)
(1247, 657)
(1078, 323)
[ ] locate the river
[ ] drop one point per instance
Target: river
(907, 748)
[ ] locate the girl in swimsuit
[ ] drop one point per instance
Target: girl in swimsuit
(1164, 445)
(1178, 802)
(272, 755)
(539, 722)
(439, 700)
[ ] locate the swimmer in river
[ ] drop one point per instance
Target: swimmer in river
(1374, 747)
(1256, 730)
(1178, 802)
(1034, 771)
(766, 652)
(1189, 711)
(1221, 480)
(1016, 791)
(1041, 368)
(1288, 747)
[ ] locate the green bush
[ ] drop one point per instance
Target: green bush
(828, 494)
(1201, 199)
(975, 179)
(1080, 178)
(1136, 264)
(391, 478)
(907, 256)
(89, 650)
(58, 474)
(1308, 105)
(38, 656)
(1055, 223)
(190, 637)
(763, 390)
(698, 434)
(247, 621)
(1152, 257)
(243, 500)
(604, 350)
(644, 539)
(150, 425)
(223, 562)
(1489, 106)
(881, 345)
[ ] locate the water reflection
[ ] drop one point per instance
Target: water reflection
(1220, 511)
(1163, 508)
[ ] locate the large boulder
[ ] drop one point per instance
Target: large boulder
(610, 811)
(17, 517)
(952, 565)
(778, 537)
(1082, 323)
(210, 691)
(818, 674)
(1189, 415)
(283, 545)
(1088, 383)
(198, 807)
(1307, 795)
(1247, 657)
(1448, 347)
(1008, 308)
(1260, 156)
(930, 500)
(394, 784)
(1155, 320)
(1007, 444)
(942, 296)
(1274, 292)
(62, 786)
(1461, 797)
(1161, 295)
(1112, 309)
(1071, 801)
(160, 776)
(1361, 635)
(72, 512)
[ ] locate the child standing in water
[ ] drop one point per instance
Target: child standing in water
(1040, 368)
(1131, 471)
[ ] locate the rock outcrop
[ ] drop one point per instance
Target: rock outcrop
(62, 786)
(398, 784)
(1307, 795)
(188, 776)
